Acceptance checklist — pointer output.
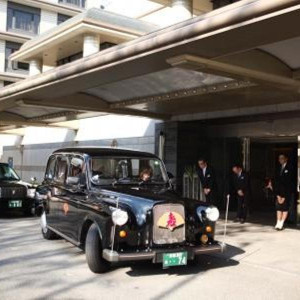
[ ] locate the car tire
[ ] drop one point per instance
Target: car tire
(47, 233)
(93, 251)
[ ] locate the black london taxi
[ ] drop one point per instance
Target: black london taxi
(15, 195)
(119, 205)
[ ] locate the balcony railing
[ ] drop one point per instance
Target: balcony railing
(78, 3)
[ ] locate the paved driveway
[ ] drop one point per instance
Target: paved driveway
(260, 264)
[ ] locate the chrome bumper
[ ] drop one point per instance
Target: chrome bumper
(157, 255)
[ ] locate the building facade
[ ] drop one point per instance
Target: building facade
(221, 88)
(33, 23)
(24, 20)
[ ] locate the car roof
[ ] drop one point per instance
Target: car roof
(102, 151)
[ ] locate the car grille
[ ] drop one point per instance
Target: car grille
(13, 192)
(168, 224)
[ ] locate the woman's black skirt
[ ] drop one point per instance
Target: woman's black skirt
(284, 206)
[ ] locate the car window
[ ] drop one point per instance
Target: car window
(77, 169)
(106, 170)
(61, 169)
(50, 168)
(7, 173)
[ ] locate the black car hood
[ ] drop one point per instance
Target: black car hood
(139, 200)
(13, 183)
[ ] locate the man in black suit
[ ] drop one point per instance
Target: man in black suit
(283, 190)
(208, 181)
(241, 189)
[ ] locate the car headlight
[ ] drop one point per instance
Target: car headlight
(209, 212)
(30, 193)
(212, 213)
(119, 217)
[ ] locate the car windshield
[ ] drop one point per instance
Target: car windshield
(127, 170)
(7, 173)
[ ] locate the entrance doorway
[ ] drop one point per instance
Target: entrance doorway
(264, 154)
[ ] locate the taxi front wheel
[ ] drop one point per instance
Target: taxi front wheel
(46, 232)
(93, 251)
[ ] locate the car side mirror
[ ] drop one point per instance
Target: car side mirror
(72, 180)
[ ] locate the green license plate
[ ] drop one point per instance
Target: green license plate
(174, 259)
(15, 203)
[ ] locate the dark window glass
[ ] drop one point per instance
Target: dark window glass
(62, 18)
(6, 83)
(14, 66)
(221, 3)
(23, 18)
(70, 58)
(80, 3)
(61, 170)
(7, 173)
(106, 45)
(50, 172)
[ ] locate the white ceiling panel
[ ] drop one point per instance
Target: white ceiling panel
(287, 51)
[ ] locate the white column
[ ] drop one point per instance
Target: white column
(183, 9)
(93, 3)
(3, 13)
(46, 68)
(35, 67)
(48, 20)
(2, 55)
(91, 44)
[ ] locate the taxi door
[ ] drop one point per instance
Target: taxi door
(57, 193)
(76, 192)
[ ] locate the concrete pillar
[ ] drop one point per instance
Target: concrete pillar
(35, 67)
(3, 14)
(2, 55)
(183, 9)
(91, 44)
(246, 153)
(298, 185)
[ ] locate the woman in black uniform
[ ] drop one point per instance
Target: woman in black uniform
(283, 189)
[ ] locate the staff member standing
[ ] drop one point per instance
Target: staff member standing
(208, 181)
(283, 189)
(241, 189)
